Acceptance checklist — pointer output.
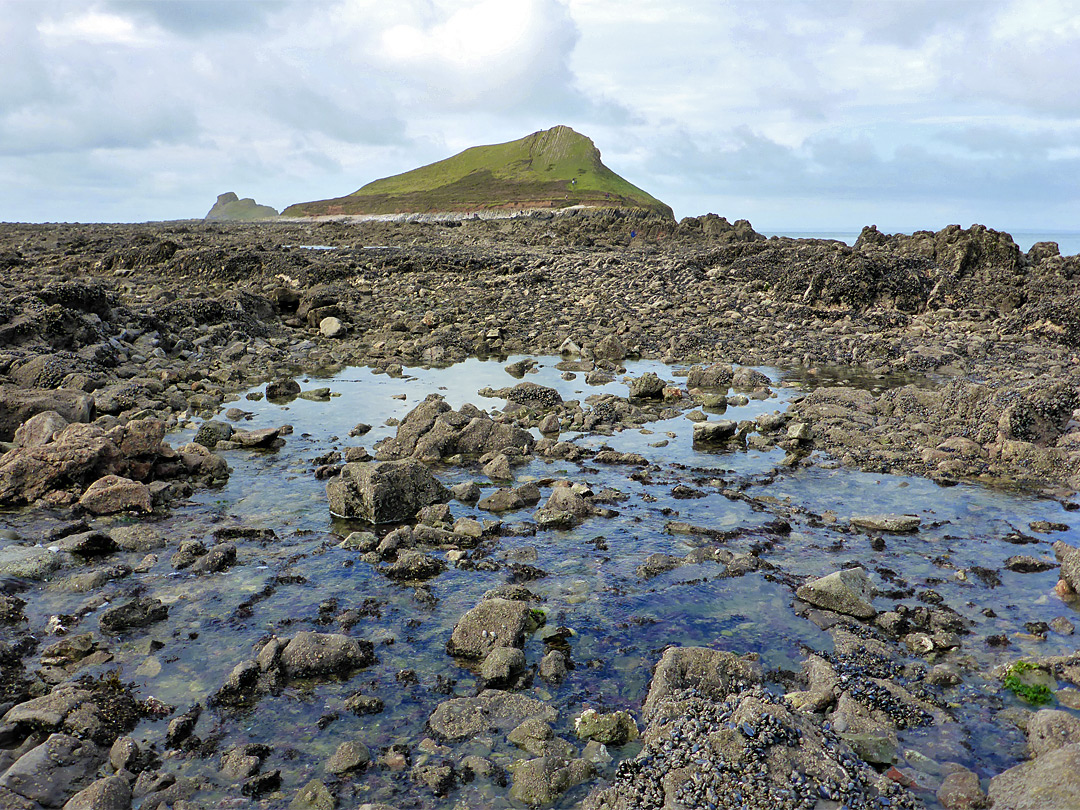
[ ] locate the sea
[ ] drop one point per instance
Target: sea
(1068, 241)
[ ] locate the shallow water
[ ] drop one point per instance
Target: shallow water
(620, 623)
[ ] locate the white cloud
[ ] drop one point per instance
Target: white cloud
(824, 108)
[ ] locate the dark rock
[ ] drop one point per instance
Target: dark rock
(140, 612)
(384, 492)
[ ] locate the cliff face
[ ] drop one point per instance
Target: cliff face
(550, 169)
(231, 208)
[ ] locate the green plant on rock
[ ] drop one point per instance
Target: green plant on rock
(537, 618)
(1038, 694)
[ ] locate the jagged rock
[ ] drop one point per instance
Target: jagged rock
(229, 207)
(960, 790)
(384, 492)
(848, 591)
(107, 793)
(647, 386)
(713, 673)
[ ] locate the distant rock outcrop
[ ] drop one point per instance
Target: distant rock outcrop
(551, 169)
(231, 207)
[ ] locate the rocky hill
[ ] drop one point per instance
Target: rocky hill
(229, 207)
(552, 169)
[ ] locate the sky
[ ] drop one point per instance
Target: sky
(794, 114)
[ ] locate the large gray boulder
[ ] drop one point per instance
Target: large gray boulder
(1052, 780)
(1051, 729)
(384, 492)
(459, 718)
(848, 592)
(492, 623)
(52, 771)
(312, 655)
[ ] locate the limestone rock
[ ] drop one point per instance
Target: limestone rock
(1051, 729)
(54, 769)
(713, 673)
(848, 591)
(312, 655)
(1052, 780)
(887, 523)
(492, 623)
(459, 718)
(384, 492)
(112, 494)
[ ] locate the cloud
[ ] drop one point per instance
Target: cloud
(193, 18)
(806, 108)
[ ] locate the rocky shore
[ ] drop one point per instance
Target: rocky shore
(950, 356)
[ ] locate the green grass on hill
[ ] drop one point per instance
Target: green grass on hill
(554, 168)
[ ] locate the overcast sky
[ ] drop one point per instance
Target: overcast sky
(795, 115)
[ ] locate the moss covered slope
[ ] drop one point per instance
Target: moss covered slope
(554, 168)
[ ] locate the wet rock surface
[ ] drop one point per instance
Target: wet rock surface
(664, 549)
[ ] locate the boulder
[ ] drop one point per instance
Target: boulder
(542, 780)
(1052, 780)
(647, 386)
(384, 492)
(616, 728)
(313, 655)
(140, 612)
(718, 375)
(350, 756)
(711, 432)
(107, 793)
(960, 790)
(461, 718)
(712, 673)
(39, 429)
(50, 772)
(415, 565)
(502, 665)
(19, 404)
(1051, 729)
(1069, 557)
(848, 591)
(111, 494)
(492, 623)
(331, 327)
(282, 390)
